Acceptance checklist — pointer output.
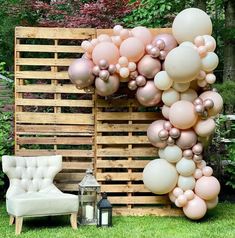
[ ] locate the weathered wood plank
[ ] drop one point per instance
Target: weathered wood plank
(77, 165)
(134, 176)
(54, 118)
(122, 140)
(42, 75)
(124, 188)
(122, 163)
(44, 62)
(115, 103)
(105, 127)
(55, 33)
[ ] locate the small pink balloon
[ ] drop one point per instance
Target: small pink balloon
(107, 51)
(123, 61)
(202, 51)
(143, 34)
(94, 42)
(148, 48)
(201, 75)
(112, 69)
(85, 45)
(210, 78)
(132, 85)
(152, 133)
(195, 209)
(117, 29)
(201, 164)
(124, 34)
(140, 80)
(169, 40)
(104, 37)
(124, 72)
(172, 197)
(177, 192)
(182, 200)
(106, 88)
(199, 41)
(165, 111)
(116, 40)
(207, 171)
(207, 187)
(188, 154)
(197, 174)
(132, 48)
(148, 95)
(96, 70)
(189, 194)
(132, 66)
(80, 72)
(149, 66)
(187, 139)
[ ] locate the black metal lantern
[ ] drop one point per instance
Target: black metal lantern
(104, 212)
(88, 192)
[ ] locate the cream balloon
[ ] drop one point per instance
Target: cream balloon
(195, 209)
(182, 200)
(172, 197)
(159, 176)
(186, 183)
(189, 194)
(187, 139)
(197, 174)
(182, 64)
(189, 44)
(205, 127)
(182, 114)
(162, 81)
(181, 87)
(170, 96)
(210, 43)
(212, 203)
(172, 153)
(161, 153)
(207, 187)
(165, 111)
(210, 62)
(177, 192)
(153, 131)
(185, 167)
(106, 88)
(190, 23)
(189, 95)
(143, 34)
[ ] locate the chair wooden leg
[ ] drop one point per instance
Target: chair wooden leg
(19, 222)
(11, 220)
(73, 220)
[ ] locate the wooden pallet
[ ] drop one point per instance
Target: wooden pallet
(89, 131)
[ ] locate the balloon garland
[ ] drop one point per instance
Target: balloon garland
(178, 71)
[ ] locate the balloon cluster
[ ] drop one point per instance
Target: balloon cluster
(174, 71)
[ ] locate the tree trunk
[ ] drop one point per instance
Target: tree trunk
(200, 4)
(229, 41)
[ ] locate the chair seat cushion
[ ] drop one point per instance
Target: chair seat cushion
(42, 204)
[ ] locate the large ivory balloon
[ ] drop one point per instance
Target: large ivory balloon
(205, 127)
(195, 209)
(132, 48)
(181, 87)
(170, 96)
(148, 95)
(207, 187)
(105, 51)
(185, 167)
(189, 95)
(187, 139)
(183, 64)
(80, 72)
(106, 88)
(182, 114)
(153, 131)
(143, 34)
(190, 23)
(169, 40)
(186, 182)
(149, 66)
(162, 81)
(172, 153)
(159, 176)
(216, 98)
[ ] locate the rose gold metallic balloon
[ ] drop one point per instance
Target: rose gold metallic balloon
(167, 125)
(103, 64)
(208, 104)
(149, 66)
(96, 70)
(170, 141)
(162, 55)
(106, 88)
(104, 75)
(175, 133)
(197, 149)
(199, 108)
(154, 52)
(148, 95)
(148, 48)
(140, 80)
(188, 154)
(80, 72)
(133, 74)
(197, 158)
(152, 134)
(132, 85)
(198, 101)
(197, 174)
(169, 40)
(187, 139)
(160, 44)
(112, 69)
(163, 134)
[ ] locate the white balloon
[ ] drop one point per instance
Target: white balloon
(160, 176)
(210, 62)
(162, 80)
(186, 183)
(185, 167)
(181, 87)
(170, 96)
(172, 153)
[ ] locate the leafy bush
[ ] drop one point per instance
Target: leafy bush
(230, 166)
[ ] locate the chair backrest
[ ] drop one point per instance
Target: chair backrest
(31, 174)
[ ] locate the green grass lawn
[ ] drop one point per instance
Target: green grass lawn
(219, 222)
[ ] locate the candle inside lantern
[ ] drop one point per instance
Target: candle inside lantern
(89, 212)
(105, 216)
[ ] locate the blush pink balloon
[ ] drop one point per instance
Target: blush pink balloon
(187, 139)
(169, 40)
(105, 51)
(106, 88)
(182, 114)
(195, 209)
(143, 34)
(80, 72)
(148, 95)
(132, 48)
(149, 66)
(153, 131)
(207, 187)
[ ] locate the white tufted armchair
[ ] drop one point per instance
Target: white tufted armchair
(32, 192)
